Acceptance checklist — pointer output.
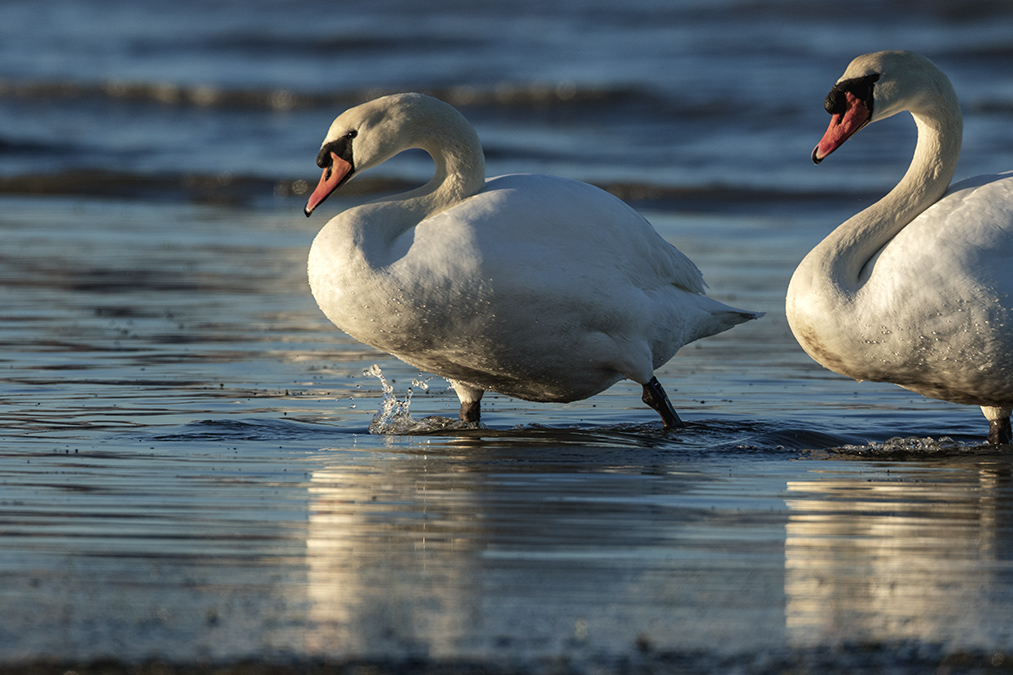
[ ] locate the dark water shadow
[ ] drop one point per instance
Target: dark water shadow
(717, 437)
(250, 429)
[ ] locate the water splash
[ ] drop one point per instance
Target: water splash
(394, 416)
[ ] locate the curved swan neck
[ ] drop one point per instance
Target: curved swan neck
(443, 133)
(459, 167)
(854, 243)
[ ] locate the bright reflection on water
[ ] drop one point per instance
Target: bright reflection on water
(901, 553)
(538, 549)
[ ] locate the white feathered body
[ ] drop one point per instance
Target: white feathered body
(933, 310)
(537, 287)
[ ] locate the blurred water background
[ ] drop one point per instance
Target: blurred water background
(185, 468)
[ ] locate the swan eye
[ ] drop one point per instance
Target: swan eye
(342, 147)
(860, 87)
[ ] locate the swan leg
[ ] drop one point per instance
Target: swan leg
(655, 396)
(999, 430)
(471, 402)
(470, 412)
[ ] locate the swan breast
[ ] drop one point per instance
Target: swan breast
(934, 310)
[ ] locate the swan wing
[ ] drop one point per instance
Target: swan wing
(936, 303)
(956, 249)
(564, 228)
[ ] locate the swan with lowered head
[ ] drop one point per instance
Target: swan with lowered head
(536, 287)
(917, 289)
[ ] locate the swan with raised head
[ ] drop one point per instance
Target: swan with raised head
(536, 287)
(917, 289)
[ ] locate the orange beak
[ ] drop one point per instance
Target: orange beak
(331, 180)
(842, 127)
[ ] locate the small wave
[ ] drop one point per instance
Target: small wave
(720, 196)
(228, 189)
(220, 189)
(246, 430)
(911, 448)
(16, 147)
(565, 93)
(331, 46)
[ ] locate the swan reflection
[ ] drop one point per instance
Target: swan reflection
(378, 574)
(509, 553)
(906, 558)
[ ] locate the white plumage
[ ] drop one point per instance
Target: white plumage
(918, 288)
(533, 286)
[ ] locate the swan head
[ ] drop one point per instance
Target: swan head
(879, 85)
(373, 132)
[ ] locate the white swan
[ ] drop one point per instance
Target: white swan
(918, 288)
(536, 287)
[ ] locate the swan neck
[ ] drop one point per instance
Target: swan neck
(459, 172)
(855, 243)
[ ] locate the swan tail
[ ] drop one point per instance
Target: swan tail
(747, 315)
(729, 317)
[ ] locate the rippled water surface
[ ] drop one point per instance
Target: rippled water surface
(187, 474)
(186, 469)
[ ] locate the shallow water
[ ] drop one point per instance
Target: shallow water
(186, 468)
(187, 474)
